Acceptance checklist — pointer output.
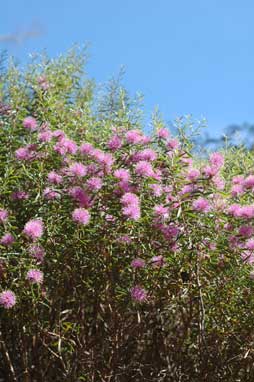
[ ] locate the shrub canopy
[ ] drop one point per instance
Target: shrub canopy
(123, 255)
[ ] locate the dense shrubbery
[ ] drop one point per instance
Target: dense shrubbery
(122, 257)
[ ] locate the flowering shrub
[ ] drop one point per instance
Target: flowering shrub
(122, 256)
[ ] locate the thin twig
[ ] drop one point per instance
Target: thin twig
(7, 359)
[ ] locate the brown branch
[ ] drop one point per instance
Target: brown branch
(7, 358)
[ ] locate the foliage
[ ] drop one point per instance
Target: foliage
(128, 259)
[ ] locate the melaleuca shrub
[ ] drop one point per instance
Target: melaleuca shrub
(122, 256)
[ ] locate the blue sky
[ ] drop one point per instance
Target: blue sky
(187, 56)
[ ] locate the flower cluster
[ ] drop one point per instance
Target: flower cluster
(107, 188)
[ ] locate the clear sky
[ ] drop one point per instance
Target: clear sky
(187, 56)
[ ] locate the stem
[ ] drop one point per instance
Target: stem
(7, 358)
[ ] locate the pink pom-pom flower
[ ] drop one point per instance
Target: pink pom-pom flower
(3, 215)
(115, 143)
(77, 169)
(81, 216)
(7, 239)
(138, 294)
(134, 137)
(34, 229)
(144, 168)
(94, 183)
(37, 252)
(54, 177)
(7, 299)
(201, 205)
(122, 174)
(138, 263)
(34, 276)
(30, 123)
(163, 133)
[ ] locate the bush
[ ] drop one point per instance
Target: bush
(123, 257)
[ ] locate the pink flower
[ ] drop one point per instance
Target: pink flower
(246, 212)
(34, 229)
(19, 195)
(7, 239)
(30, 123)
(239, 179)
(163, 133)
(249, 182)
(193, 174)
(124, 239)
(37, 252)
(45, 136)
(93, 169)
(170, 231)
(234, 242)
(250, 244)
(54, 177)
(246, 231)
(186, 160)
(218, 182)
(81, 216)
(105, 159)
(50, 194)
(34, 276)
(247, 257)
(110, 218)
(212, 246)
(94, 183)
(145, 140)
(168, 189)
(187, 189)
(158, 261)
(3, 215)
(138, 294)
(138, 263)
(147, 154)
(234, 210)
(132, 211)
(144, 168)
(131, 207)
(69, 146)
(23, 153)
(66, 146)
(219, 203)
(172, 144)
(115, 143)
(229, 227)
(59, 134)
(237, 189)
(133, 137)
(7, 299)
(201, 205)
(210, 171)
(161, 211)
(156, 189)
(27, 153)
(86, 149)
(78, 194)
(130, 199)
(157, 175)
(217, 160)
(97, 154)
(125, 186)
(122, 174)
(78, 169)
